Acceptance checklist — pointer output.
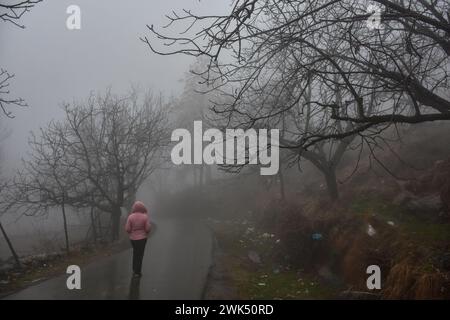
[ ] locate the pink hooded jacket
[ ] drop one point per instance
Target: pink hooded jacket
(138, 223)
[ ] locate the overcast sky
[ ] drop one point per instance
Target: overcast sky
(53, 64)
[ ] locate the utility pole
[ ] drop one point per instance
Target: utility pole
(16, 257)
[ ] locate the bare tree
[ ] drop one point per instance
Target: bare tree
(324, 155)
(265, 55)
(97, 157)
(44, 183)
(400, 71)
(294, 122)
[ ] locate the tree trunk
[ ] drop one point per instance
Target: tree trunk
(281, 181)
(194, 175)
(16, 257)
(115, 223)
(208, 174)
(200, 184)
(327, 168)
(332, 185)
(100, 228)
(66, 233)
(94, 227)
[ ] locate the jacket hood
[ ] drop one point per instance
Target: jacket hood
(139, 206)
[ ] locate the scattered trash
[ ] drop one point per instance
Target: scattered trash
(254, 257)
(370, 230)
(391, 223)
(277, 241)
(276, 271)
(316, 236)
(261, 284)
(250, 229)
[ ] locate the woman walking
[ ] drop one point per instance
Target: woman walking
(138, 227)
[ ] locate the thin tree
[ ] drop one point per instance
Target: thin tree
(4, 208)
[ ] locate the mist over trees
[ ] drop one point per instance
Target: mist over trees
(193, 105)
(97, 157)
(315, 70)
(341, 93)
(312, 69)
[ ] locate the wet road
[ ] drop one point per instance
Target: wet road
(176, 262)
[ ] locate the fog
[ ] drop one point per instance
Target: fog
(307, 147)
(53, 65)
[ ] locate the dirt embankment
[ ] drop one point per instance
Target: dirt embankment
(399, 222)
(319, 253)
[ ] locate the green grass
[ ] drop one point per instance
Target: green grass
(261, 282)
(427, 232)
(411, 226)
(374, 204)
(265, 284)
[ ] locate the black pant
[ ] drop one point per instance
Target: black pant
(138, 254)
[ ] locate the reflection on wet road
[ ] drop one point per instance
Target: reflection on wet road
(176, 262)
